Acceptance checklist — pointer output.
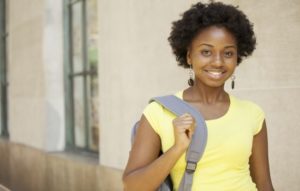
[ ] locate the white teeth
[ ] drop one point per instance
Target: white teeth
(214, 74)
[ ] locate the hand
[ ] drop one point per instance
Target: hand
(184, 127)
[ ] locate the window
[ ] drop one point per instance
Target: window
(3, 64)
(81, 79)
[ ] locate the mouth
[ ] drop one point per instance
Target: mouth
(215, 74)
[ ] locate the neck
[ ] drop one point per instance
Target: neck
(206, 94)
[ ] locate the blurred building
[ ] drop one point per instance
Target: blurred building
(50, 97)
(76, 74)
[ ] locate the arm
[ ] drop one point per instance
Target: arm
(259, 162)
(144, 171)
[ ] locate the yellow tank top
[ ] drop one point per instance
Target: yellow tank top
(225, 162)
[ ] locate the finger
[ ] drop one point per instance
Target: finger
(184, 125)
(192, 131)
(183, 128)
(190, 123)
(190, 135)
(191, 118)
(191, 128)
(185, 115)
(183, 121)
(186, 118)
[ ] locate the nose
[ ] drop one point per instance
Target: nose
(218, 60)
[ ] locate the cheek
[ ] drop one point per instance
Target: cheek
(232, 62)
(231, 67)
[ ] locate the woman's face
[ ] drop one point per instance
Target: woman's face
(213, 56)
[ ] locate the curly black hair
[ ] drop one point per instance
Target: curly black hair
(201, 16)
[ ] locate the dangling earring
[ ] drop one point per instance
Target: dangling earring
(232, 81)
(191, 74)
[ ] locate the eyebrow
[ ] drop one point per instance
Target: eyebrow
(229, 46)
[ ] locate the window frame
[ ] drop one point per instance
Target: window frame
(3, 70)
(69, 76)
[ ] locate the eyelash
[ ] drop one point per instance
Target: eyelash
(226, 54)
(208, 53)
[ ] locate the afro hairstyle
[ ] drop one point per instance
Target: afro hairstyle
(201, 16)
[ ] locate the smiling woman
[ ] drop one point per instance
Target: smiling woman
(213, 56)
(211, 40)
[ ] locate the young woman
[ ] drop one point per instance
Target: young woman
(211, 40)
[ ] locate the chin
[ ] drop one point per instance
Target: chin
(215, 85)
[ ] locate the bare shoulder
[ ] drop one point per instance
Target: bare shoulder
(146, 147)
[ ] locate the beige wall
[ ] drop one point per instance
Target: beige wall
(271, 78)
(136, 63)
(35, 73)
(25, 73)
(135, 60)
(54, 134)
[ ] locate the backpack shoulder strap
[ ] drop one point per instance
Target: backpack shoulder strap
(199, 139)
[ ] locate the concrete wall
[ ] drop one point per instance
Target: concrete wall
(136, 63)
(27, 169)
(54, 134)
(271, 78)
(35, 73)
(35, 47)
(26, 90)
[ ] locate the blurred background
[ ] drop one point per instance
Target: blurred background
(75, 76)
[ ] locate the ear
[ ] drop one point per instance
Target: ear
(188, 57)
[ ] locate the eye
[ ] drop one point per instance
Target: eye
(229, 54)
(206, 52)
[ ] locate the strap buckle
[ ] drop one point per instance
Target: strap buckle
(191, 167)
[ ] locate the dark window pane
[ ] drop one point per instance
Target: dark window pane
(3, 65)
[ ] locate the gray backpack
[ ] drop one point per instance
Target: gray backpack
(196, 147)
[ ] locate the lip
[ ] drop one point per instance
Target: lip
(214, 74)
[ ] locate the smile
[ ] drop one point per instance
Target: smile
(215, 74)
